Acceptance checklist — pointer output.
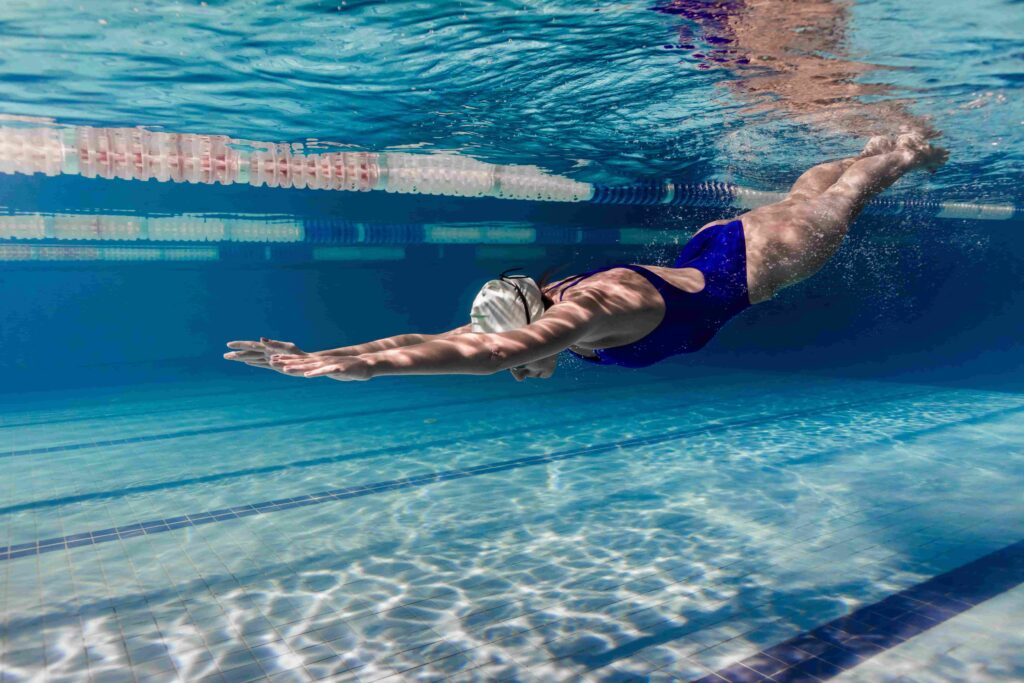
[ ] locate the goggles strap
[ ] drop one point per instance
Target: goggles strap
(505, 277)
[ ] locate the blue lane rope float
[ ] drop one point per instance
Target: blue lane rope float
(716, 194)
(139, 154)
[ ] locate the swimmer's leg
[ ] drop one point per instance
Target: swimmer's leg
(812, 231)
(819, 178)
(866, 177)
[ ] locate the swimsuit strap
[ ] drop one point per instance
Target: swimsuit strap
(659, 282)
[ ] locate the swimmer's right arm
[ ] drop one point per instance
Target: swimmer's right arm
(395, 342)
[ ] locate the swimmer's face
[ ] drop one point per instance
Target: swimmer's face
(540, 369)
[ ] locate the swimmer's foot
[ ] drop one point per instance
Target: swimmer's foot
(919, 154)
(879, 144)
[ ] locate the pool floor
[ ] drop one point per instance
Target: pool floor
(680, 523)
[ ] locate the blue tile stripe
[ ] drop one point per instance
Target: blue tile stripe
(446, 442)
(62, 417)
(843, 643)
(263, 424)
(399, 449)
(157, 526)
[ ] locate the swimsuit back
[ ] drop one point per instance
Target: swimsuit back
(691, 319)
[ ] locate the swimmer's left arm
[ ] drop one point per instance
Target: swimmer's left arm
(472, 353)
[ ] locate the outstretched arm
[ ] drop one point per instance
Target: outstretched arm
(398, 341)
(469, 354)
(258, 353)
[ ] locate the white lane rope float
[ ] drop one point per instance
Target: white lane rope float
(140, 154)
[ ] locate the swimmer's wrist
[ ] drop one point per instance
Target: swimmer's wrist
(371, 365)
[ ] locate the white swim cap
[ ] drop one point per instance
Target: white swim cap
(508, 303)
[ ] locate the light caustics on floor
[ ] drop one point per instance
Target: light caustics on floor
(139, 154)
(705, 529)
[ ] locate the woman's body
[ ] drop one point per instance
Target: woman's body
(615, 312)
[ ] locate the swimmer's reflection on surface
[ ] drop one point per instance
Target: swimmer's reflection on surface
(791, 57)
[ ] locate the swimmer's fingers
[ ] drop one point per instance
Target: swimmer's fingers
(275, 368)
(324, 370)
(295, 370)
(307, 362)
(246, 345)
(297, 362)
(280, 346)
(244, 356)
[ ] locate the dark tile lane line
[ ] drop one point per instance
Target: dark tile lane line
(722, 679)
(263, 424)
(333, 556)
(169, 524)
(588, 653)
(34, 622)
(434, 443)
(841, 644)
(37, 422)
(336, 559)
(269, 469)
(822, 456)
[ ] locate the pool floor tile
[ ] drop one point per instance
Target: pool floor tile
(711, 530)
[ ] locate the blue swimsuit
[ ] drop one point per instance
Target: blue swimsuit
(691, 319)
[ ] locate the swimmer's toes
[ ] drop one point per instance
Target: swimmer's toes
(879, 144)
(912, 141)
(928, 158)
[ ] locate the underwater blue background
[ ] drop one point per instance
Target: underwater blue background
(831, 488)
(602, 93)
(933, 299)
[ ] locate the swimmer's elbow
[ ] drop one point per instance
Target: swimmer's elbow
(496, 359)
(498, 353)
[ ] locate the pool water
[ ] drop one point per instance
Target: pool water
(605, 92)
(666, 529)
(833, 489)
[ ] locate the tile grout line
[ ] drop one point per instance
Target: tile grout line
(16, 551)
(264, 424)
(267, 469)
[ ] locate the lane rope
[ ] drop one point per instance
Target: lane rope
(140, 154)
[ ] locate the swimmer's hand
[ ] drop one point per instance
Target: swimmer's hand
(539, 369)
(341, 368)
(258, 353)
